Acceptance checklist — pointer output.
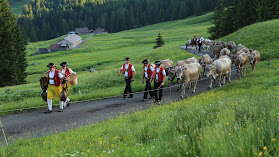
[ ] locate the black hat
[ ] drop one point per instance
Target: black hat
(51, 65)
(64, 64)
(127, 58)
(145, 61)
(157, 62)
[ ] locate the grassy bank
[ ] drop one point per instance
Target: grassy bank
(106, 54)
(261, 36)
(238, 119)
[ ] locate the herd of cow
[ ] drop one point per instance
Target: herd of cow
(189, 70)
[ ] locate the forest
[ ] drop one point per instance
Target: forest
(47, 19)
(241, 13)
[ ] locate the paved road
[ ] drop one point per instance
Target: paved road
(83, 41)
(37, 123)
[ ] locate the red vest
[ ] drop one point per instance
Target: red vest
(149, 72)
(67, 72)
(57, 80)
(160, 74)
(129, 70)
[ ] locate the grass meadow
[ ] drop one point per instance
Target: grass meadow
(238, 119)
(106, 54)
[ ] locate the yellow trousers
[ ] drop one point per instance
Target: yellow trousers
(69, 86)
(53, 90)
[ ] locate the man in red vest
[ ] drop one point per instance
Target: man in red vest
(159, 76)
(147, 76)
(66, 72)
(128, 70)
(54, 86)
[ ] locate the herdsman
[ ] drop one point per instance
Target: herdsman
(128, 70)
(200, 42)
(146, 77)
(159, 76)
(54, 86)
(66, 72)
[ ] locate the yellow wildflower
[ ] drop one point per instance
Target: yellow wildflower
(264, 148)
(260, 153)
(227, 123)
(273, 139)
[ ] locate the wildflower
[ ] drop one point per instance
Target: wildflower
(230, 134)
(260, 153)
(258, 129)
(273, 139)
(264, 148)
(227, 123)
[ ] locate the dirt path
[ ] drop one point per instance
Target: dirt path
(37, 123)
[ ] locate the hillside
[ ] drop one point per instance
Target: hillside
(17, 6)
(238, 119)
(47, 19)
(260, 36)
(106, 54)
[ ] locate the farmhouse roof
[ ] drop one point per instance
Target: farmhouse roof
(73, 38)
(99, 30)
(82, 30)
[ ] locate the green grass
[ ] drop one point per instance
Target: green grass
(105, 53)
(238, 119)
(261, 36)
(17, 7)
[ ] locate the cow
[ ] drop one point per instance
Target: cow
(167, 64)
(216, 50)
(231, 46)
(204, 62)
(222, 43)
(225, 51)
(221, 68)
(243, 48)
(172, 73)
(235, 56)
(254, 59)
(212, 43)
(241, 64)
(207, 44)
(188, 73)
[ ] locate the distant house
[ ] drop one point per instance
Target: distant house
(57, 47)
(82, 31)
(70, 41)
(43, 50)
(99, 31)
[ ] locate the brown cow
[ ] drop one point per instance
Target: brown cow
(254, 59)
(167, 64)
(231, 46)
(188, 73)
(221, 68)
(216, 50)
(204, 62)
(241, 64)
(225, 51)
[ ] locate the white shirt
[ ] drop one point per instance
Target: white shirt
(51, 77)
(63, 71)
(126, 67)
(145, 69)
(157, 71)
(201, 40)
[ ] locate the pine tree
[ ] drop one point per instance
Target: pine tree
(12, 49)
(159, 41)
(218, 18)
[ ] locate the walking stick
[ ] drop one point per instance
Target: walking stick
(4, 133)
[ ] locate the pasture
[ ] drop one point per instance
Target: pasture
(106, 54)
(238, 119)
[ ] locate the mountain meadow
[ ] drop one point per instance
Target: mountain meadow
(238, 119)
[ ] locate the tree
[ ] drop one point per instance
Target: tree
(159, 41)
(218, 18)
(12, 49)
